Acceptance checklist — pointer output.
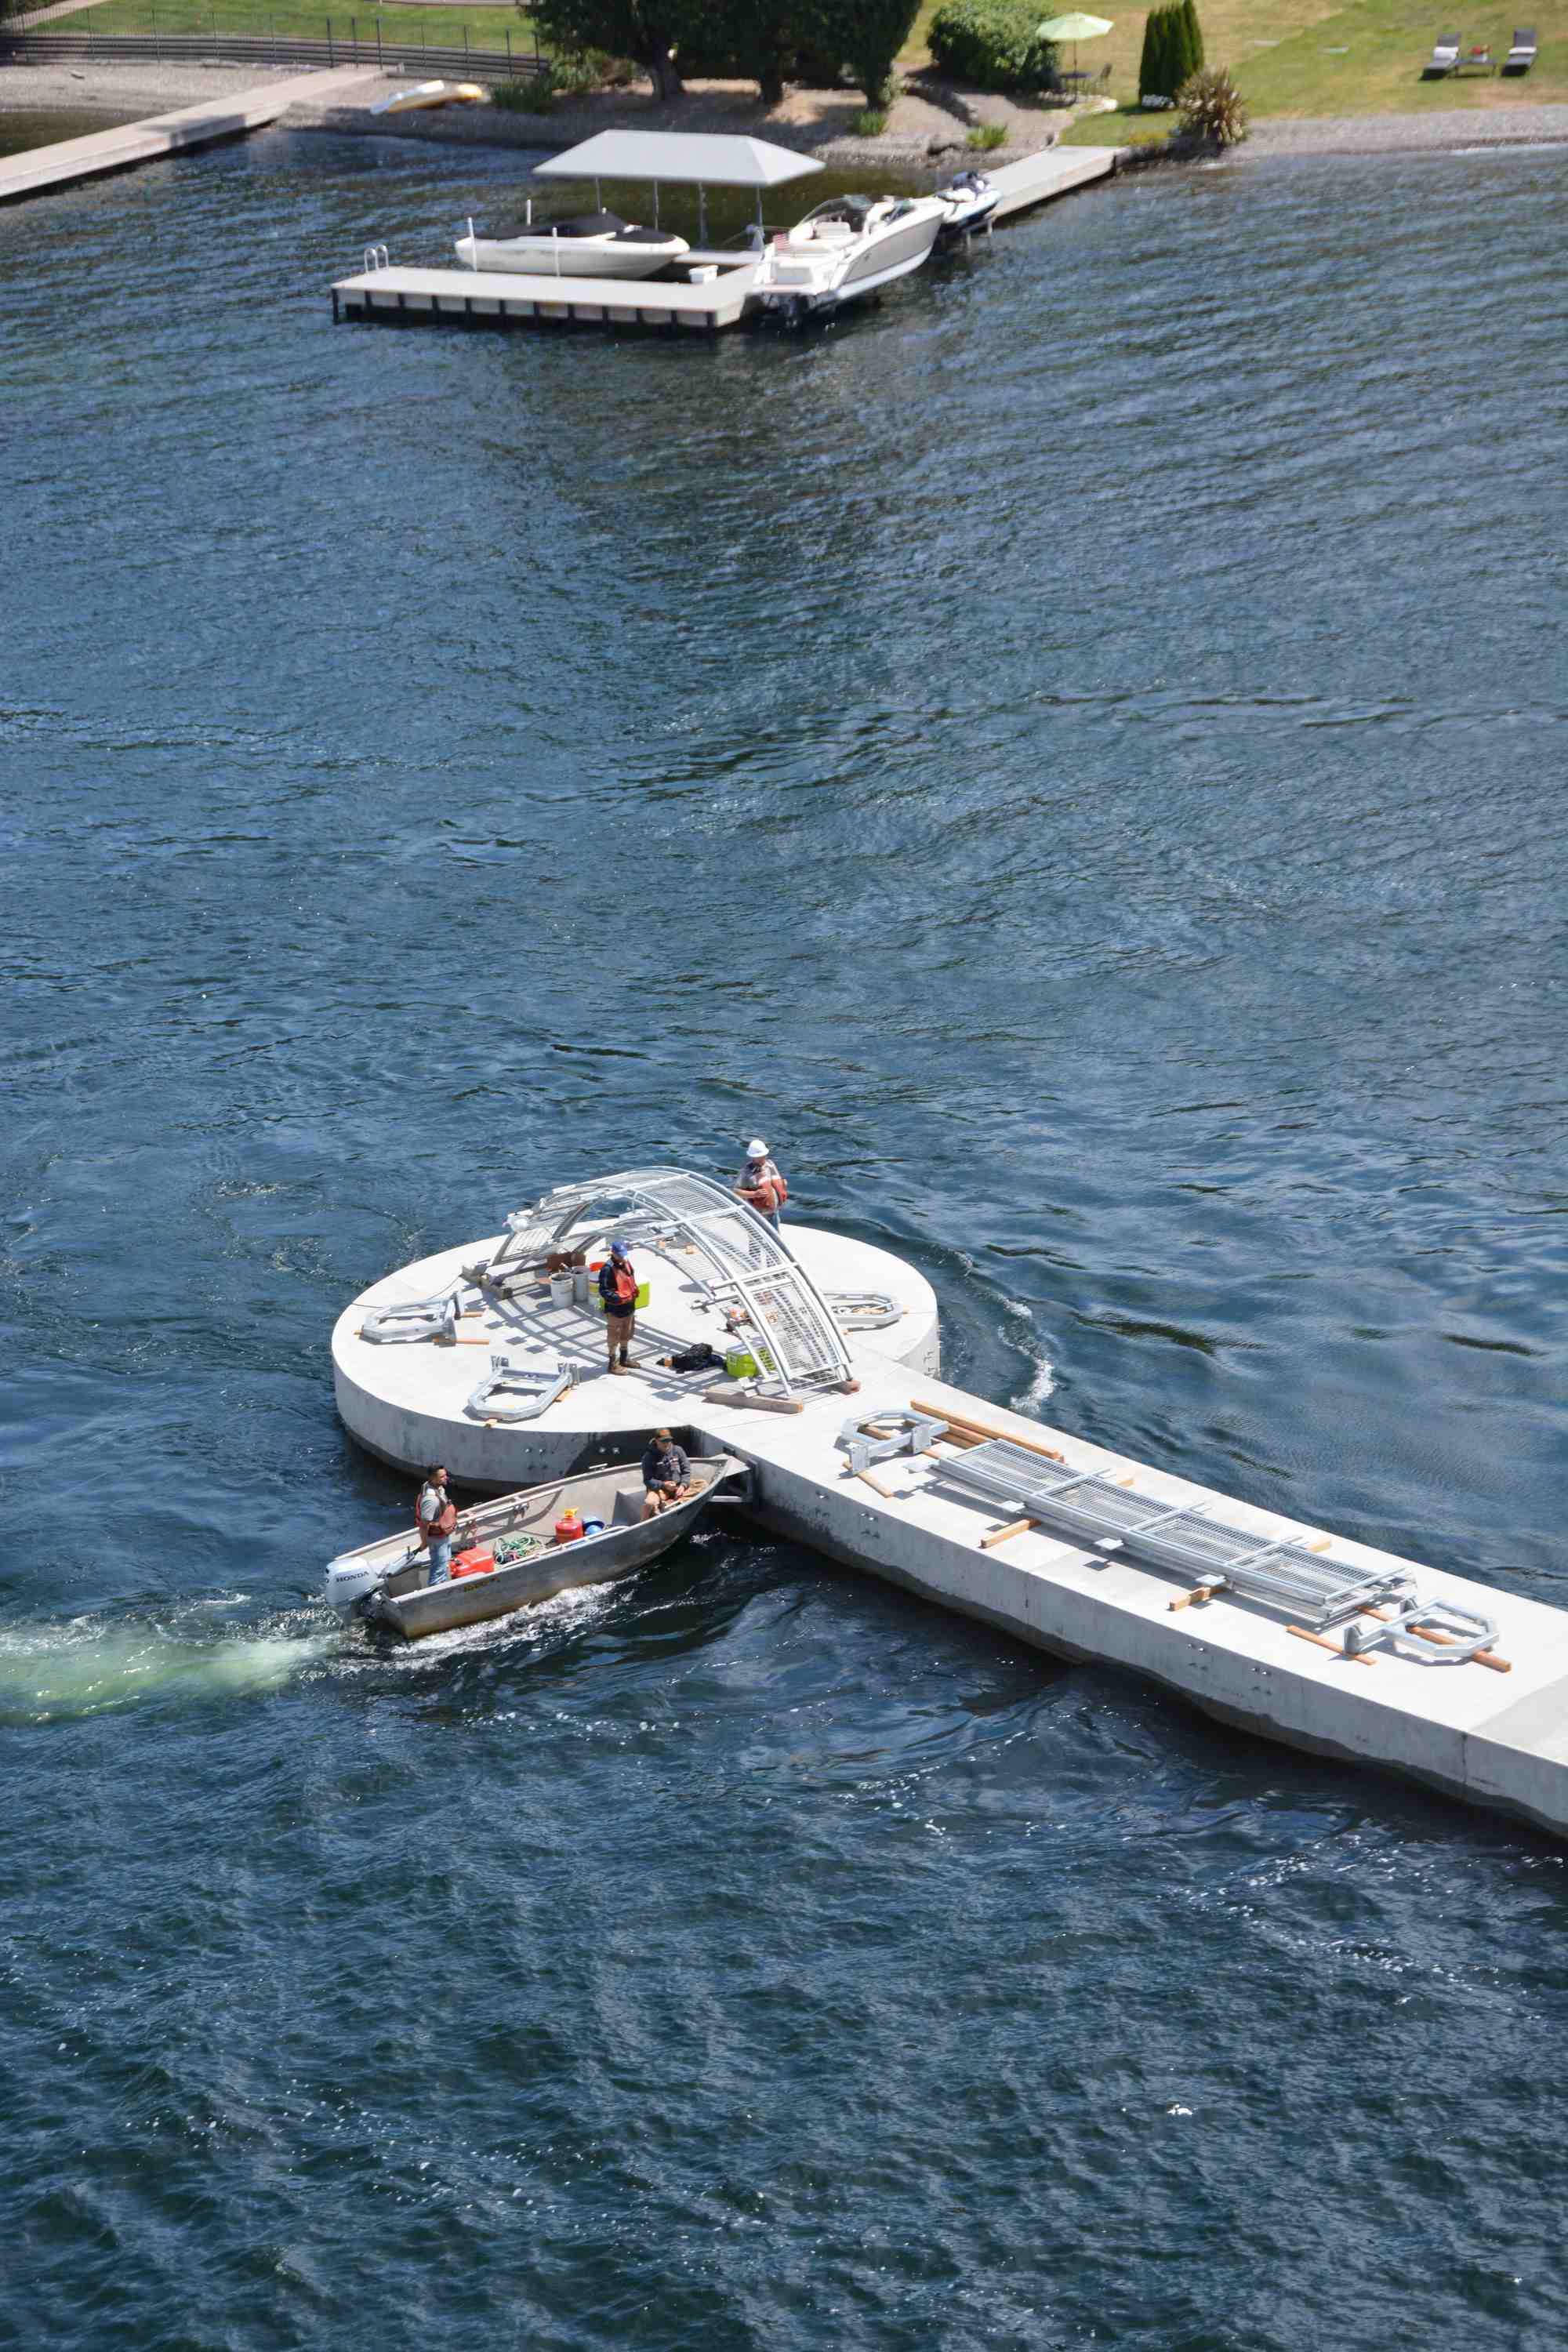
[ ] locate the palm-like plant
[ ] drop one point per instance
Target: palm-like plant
(1212, 112)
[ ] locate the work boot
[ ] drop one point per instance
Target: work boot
(626, 1359)
(617, 1368)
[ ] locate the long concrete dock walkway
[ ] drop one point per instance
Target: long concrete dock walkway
(1491, 1731)
(72, 160)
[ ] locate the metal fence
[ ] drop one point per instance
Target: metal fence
(350, 41)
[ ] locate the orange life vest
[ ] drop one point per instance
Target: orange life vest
(623, 1284)
(442, 1523)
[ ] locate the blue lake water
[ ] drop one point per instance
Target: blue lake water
(1074, 758)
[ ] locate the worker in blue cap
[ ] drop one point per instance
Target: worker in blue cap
(618, 1289)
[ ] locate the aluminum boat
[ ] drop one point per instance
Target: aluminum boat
(387, 1583)
(587, 245)
(845, 250)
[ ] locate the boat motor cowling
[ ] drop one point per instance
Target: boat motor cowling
(350, 1582)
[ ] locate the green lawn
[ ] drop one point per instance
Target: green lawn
(1314, 56)
(488, 28)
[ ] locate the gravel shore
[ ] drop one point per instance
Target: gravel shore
(1404, 134)
(928, 126)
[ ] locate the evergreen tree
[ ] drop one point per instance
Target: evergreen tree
(867, 34)
(1195, 38)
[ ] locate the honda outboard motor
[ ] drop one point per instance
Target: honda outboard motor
(350, 1584)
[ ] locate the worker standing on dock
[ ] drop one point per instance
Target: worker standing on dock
(435, 1516)
(761, 1185)
(618, 1289)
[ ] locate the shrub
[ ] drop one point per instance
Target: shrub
(866, 34)
(1173, 49)
(986, 136)
(869, 123)
(528, 93)
(1212, 113)
(993, 43)
(1195, 32)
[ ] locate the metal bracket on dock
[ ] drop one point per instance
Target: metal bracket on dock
(416, 1319)
(902, 1433)
(517, 1392)
(863, 1310)
(1433, 1633)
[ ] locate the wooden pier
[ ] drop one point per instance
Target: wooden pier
(162, 135)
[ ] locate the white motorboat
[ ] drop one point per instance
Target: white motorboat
(846, 250)
(971, 199)
(587, 245)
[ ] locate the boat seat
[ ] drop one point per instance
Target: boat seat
(628, 1504)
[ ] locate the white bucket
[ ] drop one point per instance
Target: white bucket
(561, 1290)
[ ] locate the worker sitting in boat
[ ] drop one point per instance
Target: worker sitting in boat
(435, 1516)
(761, 1185)
(618, 1289)
(666, 1474)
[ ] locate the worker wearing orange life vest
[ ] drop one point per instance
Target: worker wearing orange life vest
(435, 1516)
(618, 1289)
(761, 1185)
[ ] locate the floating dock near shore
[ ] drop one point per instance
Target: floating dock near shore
(35, 173)
(391, 294)
(876, 1461)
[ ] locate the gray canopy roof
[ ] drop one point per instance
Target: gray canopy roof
(726, 160)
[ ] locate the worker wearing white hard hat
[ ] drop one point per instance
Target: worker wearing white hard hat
(761, 1185)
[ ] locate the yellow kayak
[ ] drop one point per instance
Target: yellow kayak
(431, 93)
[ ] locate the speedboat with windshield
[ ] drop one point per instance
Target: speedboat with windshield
(846, 250)
(970, 199)
(585, 245)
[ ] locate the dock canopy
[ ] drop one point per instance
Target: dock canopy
(680, 158)
(789, 1330)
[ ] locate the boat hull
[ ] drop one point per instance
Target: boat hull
(889, 255)
(568, 257)
(399, 1600)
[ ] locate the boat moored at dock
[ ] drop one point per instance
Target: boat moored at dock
(583, 244)
(846, 250)
(520, 1549)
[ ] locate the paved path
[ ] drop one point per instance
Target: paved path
(169, 134)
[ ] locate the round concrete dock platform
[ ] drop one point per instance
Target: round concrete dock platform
(407, 1401)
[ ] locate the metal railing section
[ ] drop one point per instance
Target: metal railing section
(348, 40)
(1186, 1538)
(748, 1265)
(1284, 1572)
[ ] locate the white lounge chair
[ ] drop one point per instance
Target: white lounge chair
(1444, 59)
(1522, 57)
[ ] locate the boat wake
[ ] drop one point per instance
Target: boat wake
(562, 1616)
(1043, 1372)
(60, 1673)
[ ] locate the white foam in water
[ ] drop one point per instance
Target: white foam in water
(56, 1673)
(564, 1613)
(1043, 1379)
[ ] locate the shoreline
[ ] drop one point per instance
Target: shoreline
(931, 138)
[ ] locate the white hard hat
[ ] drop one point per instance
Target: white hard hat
(756, 1148)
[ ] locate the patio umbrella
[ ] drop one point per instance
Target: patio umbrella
(1075, 27)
